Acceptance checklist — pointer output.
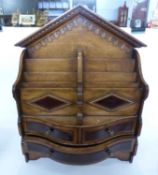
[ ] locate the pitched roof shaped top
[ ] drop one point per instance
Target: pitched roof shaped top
(80, 10)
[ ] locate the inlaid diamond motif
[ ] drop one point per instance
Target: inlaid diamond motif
(49, 102)
(111, 102)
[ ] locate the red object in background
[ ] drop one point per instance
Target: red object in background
(123, 15)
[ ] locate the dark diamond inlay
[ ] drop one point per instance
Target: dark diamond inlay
(49, 102)
(111, 102)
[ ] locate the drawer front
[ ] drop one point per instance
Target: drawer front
(112, 101)
(67, 132)
(48, 101)
(120, 148)
(97, 101)
(122, 127)
(54, 133)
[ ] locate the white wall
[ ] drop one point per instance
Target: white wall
(106, 8)
(152, 6)
(109, 8)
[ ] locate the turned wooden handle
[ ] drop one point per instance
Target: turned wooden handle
(79, 102)
(80, 117)
(80, 67)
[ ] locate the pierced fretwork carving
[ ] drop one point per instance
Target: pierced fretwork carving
(91, 26)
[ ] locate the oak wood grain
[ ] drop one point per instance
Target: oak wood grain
(80, 90)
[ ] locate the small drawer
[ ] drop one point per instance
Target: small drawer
(54, 133)
(120, 148)
(119, 128)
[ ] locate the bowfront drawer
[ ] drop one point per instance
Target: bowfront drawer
(120, 148)
(64, 135)
(99, 134)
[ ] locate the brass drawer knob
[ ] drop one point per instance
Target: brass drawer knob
(108, 151)
(49, 131)
(109, 131)
(51, 151)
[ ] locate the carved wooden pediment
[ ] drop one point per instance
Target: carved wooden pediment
(80, 16)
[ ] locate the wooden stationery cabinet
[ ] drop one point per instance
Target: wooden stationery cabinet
(80, 90)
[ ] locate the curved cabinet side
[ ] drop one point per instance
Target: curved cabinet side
(16, 90)
(145, 90)
(140, 76)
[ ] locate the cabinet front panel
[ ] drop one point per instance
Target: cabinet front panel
(49, 77)
(109, 65)
(112, 101)
(71, 121)
(48, 101)
(49, 65)
(111, 130)
(62, 135)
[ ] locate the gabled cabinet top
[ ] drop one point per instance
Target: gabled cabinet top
(81, 16)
